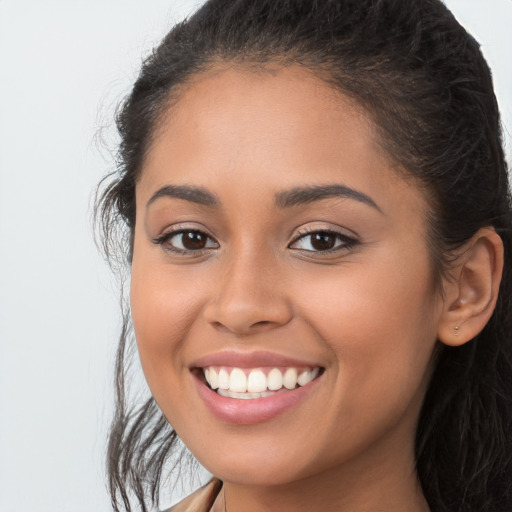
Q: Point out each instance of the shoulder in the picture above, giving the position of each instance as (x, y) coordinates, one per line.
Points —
(200, 500)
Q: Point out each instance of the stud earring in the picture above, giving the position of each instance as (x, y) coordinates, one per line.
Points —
(457, 327)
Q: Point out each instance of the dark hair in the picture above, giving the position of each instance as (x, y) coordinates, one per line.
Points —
(425, 83)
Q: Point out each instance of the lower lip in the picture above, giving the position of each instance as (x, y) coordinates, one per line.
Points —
(252, 411)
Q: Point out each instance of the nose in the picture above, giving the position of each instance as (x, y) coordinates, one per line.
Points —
(248, 296)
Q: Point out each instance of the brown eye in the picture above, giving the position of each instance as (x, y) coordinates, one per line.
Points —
(186, 241)
(193, 240)
(323, 241)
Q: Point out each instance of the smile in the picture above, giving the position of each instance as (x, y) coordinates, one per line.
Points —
(247, 383)
(247, 388)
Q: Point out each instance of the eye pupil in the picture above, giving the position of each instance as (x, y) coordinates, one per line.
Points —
(323, 241)
(193, 240)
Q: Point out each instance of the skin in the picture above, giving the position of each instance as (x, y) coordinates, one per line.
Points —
(368, 313)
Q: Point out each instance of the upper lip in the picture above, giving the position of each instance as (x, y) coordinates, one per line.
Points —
(250, 360)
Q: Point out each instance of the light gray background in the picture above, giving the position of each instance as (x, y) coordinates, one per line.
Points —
(64, 65)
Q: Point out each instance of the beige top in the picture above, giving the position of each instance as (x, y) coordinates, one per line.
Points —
(200, 500)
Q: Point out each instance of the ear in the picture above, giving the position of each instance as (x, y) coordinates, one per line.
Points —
(471, 291)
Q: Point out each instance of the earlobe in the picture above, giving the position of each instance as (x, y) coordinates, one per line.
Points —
(471, 294)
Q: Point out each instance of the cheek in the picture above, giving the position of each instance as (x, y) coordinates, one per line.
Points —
(379, 322)
(164, 306)
(376, 299)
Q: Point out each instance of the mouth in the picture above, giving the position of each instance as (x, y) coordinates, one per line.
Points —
(248, 388)
(256, 383)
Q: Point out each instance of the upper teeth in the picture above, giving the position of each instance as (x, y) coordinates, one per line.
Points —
(257, 380)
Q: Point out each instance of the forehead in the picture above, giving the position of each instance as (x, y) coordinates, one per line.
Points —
(264, 106)
(272, 127)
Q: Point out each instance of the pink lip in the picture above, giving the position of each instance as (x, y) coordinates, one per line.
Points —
(250, 412)
(251, 360)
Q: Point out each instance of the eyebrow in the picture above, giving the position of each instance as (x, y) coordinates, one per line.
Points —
(285, 199)
(308, 194)
(190, 193)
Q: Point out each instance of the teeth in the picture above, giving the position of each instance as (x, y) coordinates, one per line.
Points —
(246, 384)
(213, 378)
(223, 379)
(243, 396)
(307, 376)
(238, 381)
(303, 378)
(290, 378)
(257, 381)
(275, 379)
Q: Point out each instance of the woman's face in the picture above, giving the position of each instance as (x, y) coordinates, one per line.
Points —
(275, 242)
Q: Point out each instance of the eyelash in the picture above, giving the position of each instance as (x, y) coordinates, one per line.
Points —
(347, 242)
(165, 239)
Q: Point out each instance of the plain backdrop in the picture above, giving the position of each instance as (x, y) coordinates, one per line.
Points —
(64, 65)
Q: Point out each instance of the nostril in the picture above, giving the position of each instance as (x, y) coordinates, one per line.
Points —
(261, 323)
(242, 329)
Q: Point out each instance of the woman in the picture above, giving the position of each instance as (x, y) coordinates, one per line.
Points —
(318, 224)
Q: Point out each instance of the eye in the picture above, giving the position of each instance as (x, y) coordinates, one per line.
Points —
(186, 241)
(323, 241)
